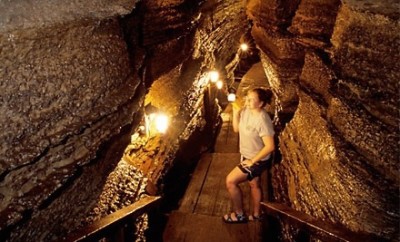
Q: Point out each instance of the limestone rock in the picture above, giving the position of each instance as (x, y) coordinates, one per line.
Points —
(315, 19)
(26, 14)
(282, 59)
(366, 55)
(317, 76)
(375, 141)
(272, 14)
(67, 90)
(329, 172)
(55, 84)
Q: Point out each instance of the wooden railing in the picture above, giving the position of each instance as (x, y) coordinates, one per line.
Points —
(118, 226)
(313, 227)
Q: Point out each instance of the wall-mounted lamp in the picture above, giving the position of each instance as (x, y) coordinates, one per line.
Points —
(231, 97)
(219, 84)
(231, 94)
(214, 76)
(161, 123)
(244, 47)
(156, 123)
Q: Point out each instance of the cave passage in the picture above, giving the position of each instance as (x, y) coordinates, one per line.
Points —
(83, 85)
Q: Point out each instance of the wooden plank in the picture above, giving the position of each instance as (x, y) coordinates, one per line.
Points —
(223, 202)
(221, 165)
(193, 190)
(227, 140)
(214, 198)
(318, 228)
(199, 228)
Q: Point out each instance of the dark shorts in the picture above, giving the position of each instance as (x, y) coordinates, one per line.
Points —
(256, 169)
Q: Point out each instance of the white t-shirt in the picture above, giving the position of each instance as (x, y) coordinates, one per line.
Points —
(252, 127)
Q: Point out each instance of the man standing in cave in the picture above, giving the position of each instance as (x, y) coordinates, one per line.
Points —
(256, 145)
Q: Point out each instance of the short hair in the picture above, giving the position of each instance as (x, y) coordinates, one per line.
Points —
(265, 95)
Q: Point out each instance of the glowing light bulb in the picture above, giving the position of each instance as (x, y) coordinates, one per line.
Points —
(244, 47)
(161, 122)
(219, 84)
(231, 97)
(214, 76)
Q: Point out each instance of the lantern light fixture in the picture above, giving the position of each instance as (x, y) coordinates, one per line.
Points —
(161, 122)
(231, 94)
(244, 47)
(231, 97)
(155, 122)
(219, 84)
(214, 76)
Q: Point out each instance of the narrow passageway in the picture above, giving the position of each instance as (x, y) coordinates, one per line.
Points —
(199, 216)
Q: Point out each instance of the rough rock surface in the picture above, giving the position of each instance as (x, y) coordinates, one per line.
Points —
(315, 19)
(68, 93)
(366, 56)
(26, 14)
(282, 59)
(66, 90)
(74, 77)
(340, 156)
(272, 14)
(325, 177)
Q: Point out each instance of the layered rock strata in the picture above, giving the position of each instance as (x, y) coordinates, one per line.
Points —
(74, 87)
(74, 78)
(340, 150)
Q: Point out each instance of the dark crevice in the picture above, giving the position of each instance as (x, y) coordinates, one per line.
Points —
(5, 233)
(318, 98)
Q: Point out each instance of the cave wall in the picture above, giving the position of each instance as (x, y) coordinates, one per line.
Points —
(179, 63)
(66, 89)
(334, 68)
(74, 79)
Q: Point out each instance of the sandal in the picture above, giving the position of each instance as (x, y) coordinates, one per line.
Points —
(255, 218)
(237, 218)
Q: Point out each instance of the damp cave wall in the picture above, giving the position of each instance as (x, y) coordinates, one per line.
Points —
(74, 78)
(334, 69)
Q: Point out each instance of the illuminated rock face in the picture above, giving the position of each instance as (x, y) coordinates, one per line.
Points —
(73, 84)
(75, 76)
(67, 90)
(340, 149)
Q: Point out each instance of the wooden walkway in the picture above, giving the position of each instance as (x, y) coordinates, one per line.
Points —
(199, 217)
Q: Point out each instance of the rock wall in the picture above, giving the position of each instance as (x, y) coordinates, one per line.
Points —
(335, 66)
(74, 78)
(281, 57)
(196, 42)
(68, 96)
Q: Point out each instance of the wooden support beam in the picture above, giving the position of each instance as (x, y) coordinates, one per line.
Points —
(317, 228)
